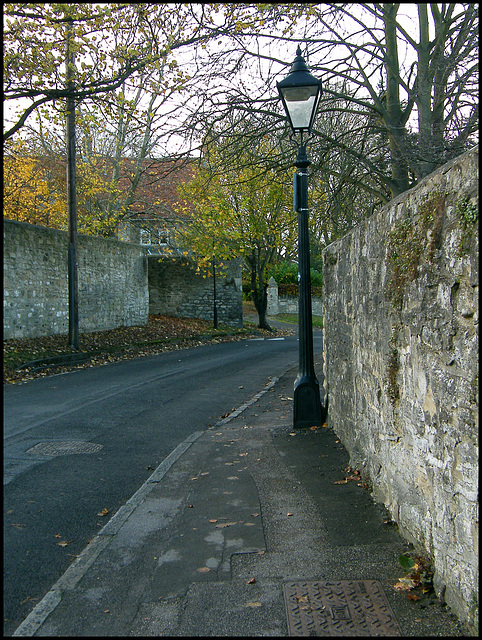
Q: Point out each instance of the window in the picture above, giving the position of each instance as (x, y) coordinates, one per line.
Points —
(151, 237)
(145, 237)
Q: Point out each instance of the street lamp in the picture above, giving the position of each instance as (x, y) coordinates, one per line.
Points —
(300, 93)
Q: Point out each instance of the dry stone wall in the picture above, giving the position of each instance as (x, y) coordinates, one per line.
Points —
(112, 278)
(400, 314)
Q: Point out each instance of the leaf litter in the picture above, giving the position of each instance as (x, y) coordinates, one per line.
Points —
(161, 333)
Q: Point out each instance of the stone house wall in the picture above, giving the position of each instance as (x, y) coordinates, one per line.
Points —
(402, 381)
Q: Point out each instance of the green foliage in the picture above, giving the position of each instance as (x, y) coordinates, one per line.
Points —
(286, 272)
(406, 562)
(283, 272)
(316, 278)
(468, 215)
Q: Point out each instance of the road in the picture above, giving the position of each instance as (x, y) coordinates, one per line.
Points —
(136, 412)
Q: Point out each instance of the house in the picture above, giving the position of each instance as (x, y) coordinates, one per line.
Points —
(153, 219)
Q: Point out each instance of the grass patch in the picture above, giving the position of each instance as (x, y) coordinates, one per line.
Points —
(317, 321)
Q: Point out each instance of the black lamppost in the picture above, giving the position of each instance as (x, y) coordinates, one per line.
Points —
(215, 303)
(72, 200)
(300, 93)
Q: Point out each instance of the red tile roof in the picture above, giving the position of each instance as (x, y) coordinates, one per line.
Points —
(156, 194)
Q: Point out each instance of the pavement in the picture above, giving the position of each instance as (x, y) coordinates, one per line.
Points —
(236, 533)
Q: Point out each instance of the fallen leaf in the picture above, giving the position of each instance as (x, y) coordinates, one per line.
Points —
(249, 524)
(325, 424)
(261, 553)
(313, 428)
(225, 524)
(243, 454)
(62, 544)
(106, 611)
(190, 506)
(344, 481)
(254, 604)
(251, 581)
(213, 520)
(104, 512)
(405, 584)
(289, 514)
(204, 570)
(413, 596)
(255, 515)
(58, 535)
(233, 478)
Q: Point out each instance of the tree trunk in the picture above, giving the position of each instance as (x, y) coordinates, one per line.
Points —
(259, 291)
(424, 95)
(394, 115)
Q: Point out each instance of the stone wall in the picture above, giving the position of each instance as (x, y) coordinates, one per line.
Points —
(176, 289)
(112, 279)
(401, 378)
(288, 304)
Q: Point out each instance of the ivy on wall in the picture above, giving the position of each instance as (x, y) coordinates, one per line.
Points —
(412, 241)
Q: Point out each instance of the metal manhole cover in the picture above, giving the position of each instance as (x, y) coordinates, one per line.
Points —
(64, 448)
(339, 608)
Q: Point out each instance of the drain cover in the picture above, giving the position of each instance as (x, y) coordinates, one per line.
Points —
(339, 608)
(64, 448)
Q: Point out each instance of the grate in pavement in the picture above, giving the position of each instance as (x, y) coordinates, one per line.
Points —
(339, 608)
(64, 448)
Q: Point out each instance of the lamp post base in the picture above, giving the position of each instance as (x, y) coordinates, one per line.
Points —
(307, 410)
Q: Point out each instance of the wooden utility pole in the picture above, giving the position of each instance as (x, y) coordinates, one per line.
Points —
(72, 197)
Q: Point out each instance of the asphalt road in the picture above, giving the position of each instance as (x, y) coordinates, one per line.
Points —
(137, 411)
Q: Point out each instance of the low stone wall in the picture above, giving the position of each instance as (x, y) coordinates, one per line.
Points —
(112, 280)
(288, 304)
(402, 379)
(176, 289)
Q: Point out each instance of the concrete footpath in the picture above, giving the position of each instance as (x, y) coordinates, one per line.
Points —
(246, 529)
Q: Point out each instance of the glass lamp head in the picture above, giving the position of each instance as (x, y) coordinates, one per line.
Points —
(300, 93)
